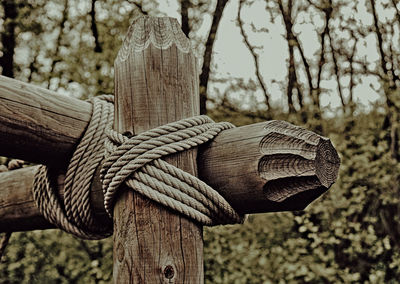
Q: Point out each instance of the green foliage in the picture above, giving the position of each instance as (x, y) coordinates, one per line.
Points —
(55, 257)
(350, 235)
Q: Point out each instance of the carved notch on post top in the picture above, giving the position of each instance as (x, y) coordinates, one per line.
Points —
(143, 32)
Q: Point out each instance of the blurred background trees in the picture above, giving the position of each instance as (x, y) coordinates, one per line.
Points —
(315, 63)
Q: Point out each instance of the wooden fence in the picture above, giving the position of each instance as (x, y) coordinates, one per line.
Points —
(264, 167)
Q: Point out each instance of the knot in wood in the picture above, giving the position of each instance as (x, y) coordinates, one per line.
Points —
(169, 272)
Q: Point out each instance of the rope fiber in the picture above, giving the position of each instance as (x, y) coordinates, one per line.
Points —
(137, 162)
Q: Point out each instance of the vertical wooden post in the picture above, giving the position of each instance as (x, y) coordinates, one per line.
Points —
(156, 82)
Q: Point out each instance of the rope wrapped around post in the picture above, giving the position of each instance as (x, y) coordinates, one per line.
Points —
(137, 162)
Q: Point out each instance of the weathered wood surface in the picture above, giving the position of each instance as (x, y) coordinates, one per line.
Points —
(156, 82)
(39, 125)
(271, 166)
(18, 211)
(235, 163)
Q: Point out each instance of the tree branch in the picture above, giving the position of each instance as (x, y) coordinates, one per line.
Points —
(351, 83)
(397, 10)
(185, 4)
(205, 70)
(305, 63)
(8, 38)
(254, 55)
(97, 47)
(55, 57)
(337, 72)
(328, 12)
(392, 56)
(379, 37)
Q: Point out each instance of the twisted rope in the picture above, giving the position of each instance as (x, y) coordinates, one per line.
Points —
(75, 214)
(137, 162)
(87, 157)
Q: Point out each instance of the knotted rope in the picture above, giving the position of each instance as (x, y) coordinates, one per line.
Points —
(75, 214)
(135, 161)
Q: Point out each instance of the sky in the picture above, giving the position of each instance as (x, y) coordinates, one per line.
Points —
(231, 58)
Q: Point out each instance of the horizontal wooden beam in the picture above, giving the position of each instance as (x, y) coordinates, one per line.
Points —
(18, 211)
(269, 166)
(264, 167)
(39, 125)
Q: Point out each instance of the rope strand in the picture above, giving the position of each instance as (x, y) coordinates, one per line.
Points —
(137, 162)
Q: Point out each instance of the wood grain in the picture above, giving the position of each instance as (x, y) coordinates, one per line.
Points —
(39, 125)
(263, 167)
(18, 211)
(156, 82)
(252, 173)
(267, 167)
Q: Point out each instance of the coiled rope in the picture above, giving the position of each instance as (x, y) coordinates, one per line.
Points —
(135, 161)
(75, 214)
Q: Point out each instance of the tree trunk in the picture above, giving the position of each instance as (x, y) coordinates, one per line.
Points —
(8, 38)
(205, 70)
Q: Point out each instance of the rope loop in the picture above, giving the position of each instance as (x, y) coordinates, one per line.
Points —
(74, 214)
(137, 162)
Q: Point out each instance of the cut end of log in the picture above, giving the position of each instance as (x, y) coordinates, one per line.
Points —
(269, 166)
(327, 163)
(298, 165)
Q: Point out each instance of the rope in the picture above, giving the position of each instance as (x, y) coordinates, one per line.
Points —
(75, 214)
(88, 157)
(135, 161)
